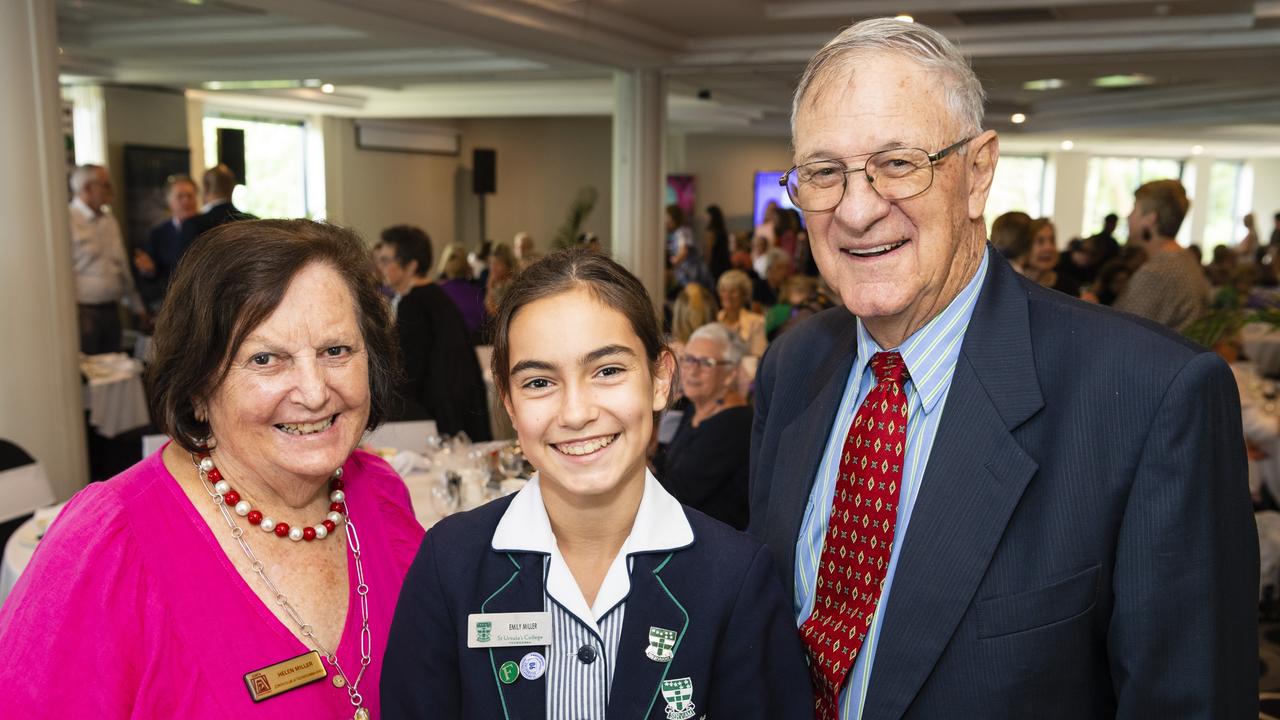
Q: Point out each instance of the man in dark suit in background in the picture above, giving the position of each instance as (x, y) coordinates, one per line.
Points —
(165, 243)
(219, 183)
(1005, 502)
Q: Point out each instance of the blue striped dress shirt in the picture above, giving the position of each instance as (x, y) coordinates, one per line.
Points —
(930, 355)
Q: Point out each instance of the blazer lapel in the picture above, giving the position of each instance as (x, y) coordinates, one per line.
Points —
(637, 680)
(520, 589)
(802, 445)
(976, 475)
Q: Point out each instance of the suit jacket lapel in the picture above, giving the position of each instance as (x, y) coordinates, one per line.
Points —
(976, 475)
(802, 446)
(652, 603)
(518, 589)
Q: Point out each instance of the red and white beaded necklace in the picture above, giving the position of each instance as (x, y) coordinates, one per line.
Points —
(242, 507)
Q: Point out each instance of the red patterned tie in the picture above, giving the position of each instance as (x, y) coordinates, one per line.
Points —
(855, 552)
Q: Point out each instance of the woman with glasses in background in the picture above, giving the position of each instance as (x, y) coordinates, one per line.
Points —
(705, 464)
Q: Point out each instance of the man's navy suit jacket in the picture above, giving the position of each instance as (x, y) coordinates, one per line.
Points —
(1082, 545)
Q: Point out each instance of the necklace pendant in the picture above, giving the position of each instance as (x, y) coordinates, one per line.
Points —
(339, 681)
(362, 714)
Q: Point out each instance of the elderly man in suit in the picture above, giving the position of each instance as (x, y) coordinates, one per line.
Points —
(988, 499)
(219, 183)
(165, 243)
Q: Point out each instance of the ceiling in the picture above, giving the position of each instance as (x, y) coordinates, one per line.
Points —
(1207, 67)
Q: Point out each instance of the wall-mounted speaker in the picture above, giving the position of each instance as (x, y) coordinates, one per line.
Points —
(231, 151)
(484, 171)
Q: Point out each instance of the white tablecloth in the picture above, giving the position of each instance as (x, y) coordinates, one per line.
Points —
(1262, 346)
(21, 546)
(114, 394)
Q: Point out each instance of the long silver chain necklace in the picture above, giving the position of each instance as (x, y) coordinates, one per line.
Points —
(306, 630)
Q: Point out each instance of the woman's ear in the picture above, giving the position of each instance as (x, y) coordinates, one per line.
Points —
(665, 380)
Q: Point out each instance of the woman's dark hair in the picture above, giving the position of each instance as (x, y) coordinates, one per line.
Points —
(1011, 234)
(570, 269)
(715, 222)
(230, 281)
(410, 243)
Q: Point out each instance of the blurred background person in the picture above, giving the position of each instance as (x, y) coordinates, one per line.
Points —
(455, 280)
(525, 251)
(102, 276)
(705, 465)
(717, 242)
(1170, 287)
(1010, 234)
(685, 255)
(1039, 260)
(694, 307)
(442, 379)
(219, 183)
(734, 289)
(166, 243)
(502, 269)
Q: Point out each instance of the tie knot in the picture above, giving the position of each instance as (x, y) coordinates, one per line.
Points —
(889, 366)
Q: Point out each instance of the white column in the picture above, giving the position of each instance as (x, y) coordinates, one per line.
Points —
(195, 136)
(40, 398)
(1199, 217)
(1071, 174)
(639, 176)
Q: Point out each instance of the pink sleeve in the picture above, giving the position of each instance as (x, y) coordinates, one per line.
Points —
(76, 632)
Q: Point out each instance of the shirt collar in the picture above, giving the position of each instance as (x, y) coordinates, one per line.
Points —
(933, 347)
(87, 212)
(660, 522)
(660, 525)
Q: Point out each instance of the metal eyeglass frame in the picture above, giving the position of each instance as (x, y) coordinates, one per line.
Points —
(933, 158)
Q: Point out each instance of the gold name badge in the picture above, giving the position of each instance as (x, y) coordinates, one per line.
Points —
(285, 676)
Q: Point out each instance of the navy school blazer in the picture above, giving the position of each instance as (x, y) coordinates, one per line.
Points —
(737, 636)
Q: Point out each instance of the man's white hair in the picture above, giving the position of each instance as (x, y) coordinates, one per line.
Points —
(918, 43)
(83, 175)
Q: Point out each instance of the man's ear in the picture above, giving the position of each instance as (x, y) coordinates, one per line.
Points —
(984, 151)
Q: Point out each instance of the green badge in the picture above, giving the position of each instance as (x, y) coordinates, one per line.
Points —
(508, 672)
(661, 644)
(679, 696)
(483, 631)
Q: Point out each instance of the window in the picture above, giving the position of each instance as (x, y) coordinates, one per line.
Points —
(1110, 185)
(1230, 186)
(1018, 185)
(275, 165)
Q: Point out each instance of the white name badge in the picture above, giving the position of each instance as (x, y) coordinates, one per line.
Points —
(485, 630)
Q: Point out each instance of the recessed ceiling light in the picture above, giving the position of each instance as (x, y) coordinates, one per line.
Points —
(1197, 149)
(1045, 84)
(311, 83)
(1017, 118)
(213, 85)
(327, 88)
(904, 18)
(1067, 144)
(1121, 81)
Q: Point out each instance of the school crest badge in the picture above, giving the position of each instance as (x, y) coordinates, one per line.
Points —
(679, 696)
(662, 645)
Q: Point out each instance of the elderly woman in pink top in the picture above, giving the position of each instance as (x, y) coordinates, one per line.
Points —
(250, 568)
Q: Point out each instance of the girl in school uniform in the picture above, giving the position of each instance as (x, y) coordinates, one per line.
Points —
(591, 594)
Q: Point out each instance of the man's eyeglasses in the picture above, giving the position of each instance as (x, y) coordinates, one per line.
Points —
(705, 363)
(896, 174)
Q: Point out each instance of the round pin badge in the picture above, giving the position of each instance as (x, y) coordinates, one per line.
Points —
(508, 672)
(532, 666)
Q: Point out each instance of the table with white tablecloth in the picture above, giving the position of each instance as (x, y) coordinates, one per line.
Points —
(113, 393)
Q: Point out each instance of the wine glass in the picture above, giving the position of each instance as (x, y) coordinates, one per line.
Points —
(510, 462)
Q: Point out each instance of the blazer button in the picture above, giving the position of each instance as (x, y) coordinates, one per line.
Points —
(587, 654)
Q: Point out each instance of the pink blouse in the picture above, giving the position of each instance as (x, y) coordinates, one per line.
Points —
(130, 608)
